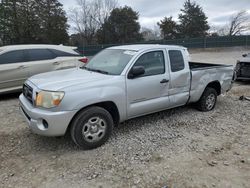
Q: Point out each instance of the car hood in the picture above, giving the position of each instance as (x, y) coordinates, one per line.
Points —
(59, 80)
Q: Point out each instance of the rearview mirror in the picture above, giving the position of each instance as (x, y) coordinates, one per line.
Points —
(136, 71)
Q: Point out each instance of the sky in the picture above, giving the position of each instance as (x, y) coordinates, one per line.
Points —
(218, 12)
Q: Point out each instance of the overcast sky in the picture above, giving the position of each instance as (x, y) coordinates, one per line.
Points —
(152, 11)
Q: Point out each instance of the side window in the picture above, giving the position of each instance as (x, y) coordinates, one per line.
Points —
(153, 62)
(40, 54)
(16, 56)
(176, 60)
(60, 53)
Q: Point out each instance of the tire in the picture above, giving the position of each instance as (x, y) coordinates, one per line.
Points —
(91, 128)
(208, 100)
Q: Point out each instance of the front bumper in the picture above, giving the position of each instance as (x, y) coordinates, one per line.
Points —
(44, 122)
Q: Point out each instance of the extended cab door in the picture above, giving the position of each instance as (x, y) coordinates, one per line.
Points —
(149, 92)
(180, 77)
(13, 70)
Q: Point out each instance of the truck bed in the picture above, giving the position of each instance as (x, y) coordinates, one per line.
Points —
(201, 66)
(204, 73)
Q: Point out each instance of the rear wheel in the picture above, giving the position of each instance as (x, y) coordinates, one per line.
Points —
(92, 127)
(208, 100)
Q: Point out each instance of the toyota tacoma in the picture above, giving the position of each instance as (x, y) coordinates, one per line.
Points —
(118, 84)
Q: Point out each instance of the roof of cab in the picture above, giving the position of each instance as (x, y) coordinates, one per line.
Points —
(141, 47)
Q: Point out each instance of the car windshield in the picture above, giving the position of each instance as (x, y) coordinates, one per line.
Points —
(110, 61)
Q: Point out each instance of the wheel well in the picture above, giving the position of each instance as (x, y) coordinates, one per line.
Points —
(108, 105)
(216, 85)
(111, 108)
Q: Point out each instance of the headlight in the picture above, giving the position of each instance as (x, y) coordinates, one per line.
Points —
(49, 99)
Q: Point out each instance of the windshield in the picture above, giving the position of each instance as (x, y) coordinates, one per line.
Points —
(110, 61)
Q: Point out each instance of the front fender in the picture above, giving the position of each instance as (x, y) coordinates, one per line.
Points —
(76, 100)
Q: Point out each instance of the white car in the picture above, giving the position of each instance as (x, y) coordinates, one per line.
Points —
(19, 62)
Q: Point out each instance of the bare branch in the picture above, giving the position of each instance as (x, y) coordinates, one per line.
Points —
(89, 15)
(239, 23)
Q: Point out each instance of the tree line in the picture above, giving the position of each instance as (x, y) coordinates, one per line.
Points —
(102, 22)
(32, 21)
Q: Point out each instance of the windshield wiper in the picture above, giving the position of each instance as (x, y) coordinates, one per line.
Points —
(95, 70)
(100, 71)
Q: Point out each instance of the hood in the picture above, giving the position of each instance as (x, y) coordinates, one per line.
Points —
(59, 80)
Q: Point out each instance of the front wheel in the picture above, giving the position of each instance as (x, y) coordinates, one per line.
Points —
(208, 100)
(92, 127)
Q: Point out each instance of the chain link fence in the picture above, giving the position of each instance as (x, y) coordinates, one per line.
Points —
(207, 42)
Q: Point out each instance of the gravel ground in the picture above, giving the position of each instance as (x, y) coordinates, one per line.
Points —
(219, 55)
(175, 148)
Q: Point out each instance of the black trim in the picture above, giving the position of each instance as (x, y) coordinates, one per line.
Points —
(27, 116)
(28, 93)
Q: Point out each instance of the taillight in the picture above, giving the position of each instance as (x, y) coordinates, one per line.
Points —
(84, 60)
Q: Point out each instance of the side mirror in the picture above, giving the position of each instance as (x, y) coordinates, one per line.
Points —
(244, 55)
(136, 71)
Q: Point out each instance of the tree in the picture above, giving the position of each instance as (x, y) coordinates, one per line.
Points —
(74, 40)
(32, 21)
(53, 21)
(88, 17)
(149, 34)
(3, 30)
(9, 25)
(193, 21)
(121, 27)
(239, 23)
(168, 28)
(28, 23)
(103, 9)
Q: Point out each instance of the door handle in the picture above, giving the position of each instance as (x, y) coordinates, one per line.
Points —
(56, 63)
(164, 81)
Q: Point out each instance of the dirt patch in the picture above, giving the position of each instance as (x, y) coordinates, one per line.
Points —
(175, 148)
(228, 55)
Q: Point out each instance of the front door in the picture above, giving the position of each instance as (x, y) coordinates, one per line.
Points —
(149, 92)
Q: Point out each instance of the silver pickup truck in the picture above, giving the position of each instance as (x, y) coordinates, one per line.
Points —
(118, 84)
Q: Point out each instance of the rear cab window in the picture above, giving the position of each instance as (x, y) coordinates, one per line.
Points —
(176, 60)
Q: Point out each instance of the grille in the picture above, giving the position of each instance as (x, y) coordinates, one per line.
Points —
(27, 92)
